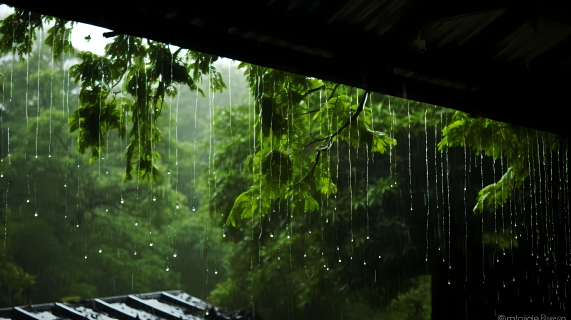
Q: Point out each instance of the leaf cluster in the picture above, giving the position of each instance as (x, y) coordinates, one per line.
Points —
(498, 139)
(283, 167)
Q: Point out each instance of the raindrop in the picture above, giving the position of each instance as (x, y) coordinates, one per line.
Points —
(271, 235)
(28, 201)
(288, 237)
(223, 235)
(106, 210)
(168, 269)
(379, 257)
(64, 185)
(168, 172)
(174, 255)
(304, 255)
(278, 258)
(155, 199)
(364, 263)
(339, 260)
(78, 226)
(136, 223)
(215, 272)
(100, 250)
(151, 244)
(177, 207)
(135, 252)
(36, 214)
(85, 256)
(367, 237)
(193, 209)
(122, 201)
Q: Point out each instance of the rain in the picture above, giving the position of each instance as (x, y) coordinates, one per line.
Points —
(258, 162)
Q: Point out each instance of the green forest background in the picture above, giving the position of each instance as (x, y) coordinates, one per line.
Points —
(152, 168)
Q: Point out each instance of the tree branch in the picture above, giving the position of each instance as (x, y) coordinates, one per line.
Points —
(313, 90)
(175, 54)
(353, 117)
(317, 155)
(318, 88)
(330, 142)
(310, 111)
(332, 93)
(334, 88)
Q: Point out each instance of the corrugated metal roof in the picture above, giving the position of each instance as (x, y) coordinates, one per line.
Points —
(167, 305)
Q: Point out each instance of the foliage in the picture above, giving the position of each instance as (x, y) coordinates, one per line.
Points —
(83, 209)
(415, 303)
(283, 224)
(497, 139)
(148, 73)
(14, 280)
(282, 100)
(505, 240)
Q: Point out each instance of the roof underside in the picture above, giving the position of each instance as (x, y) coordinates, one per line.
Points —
(504, 60)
